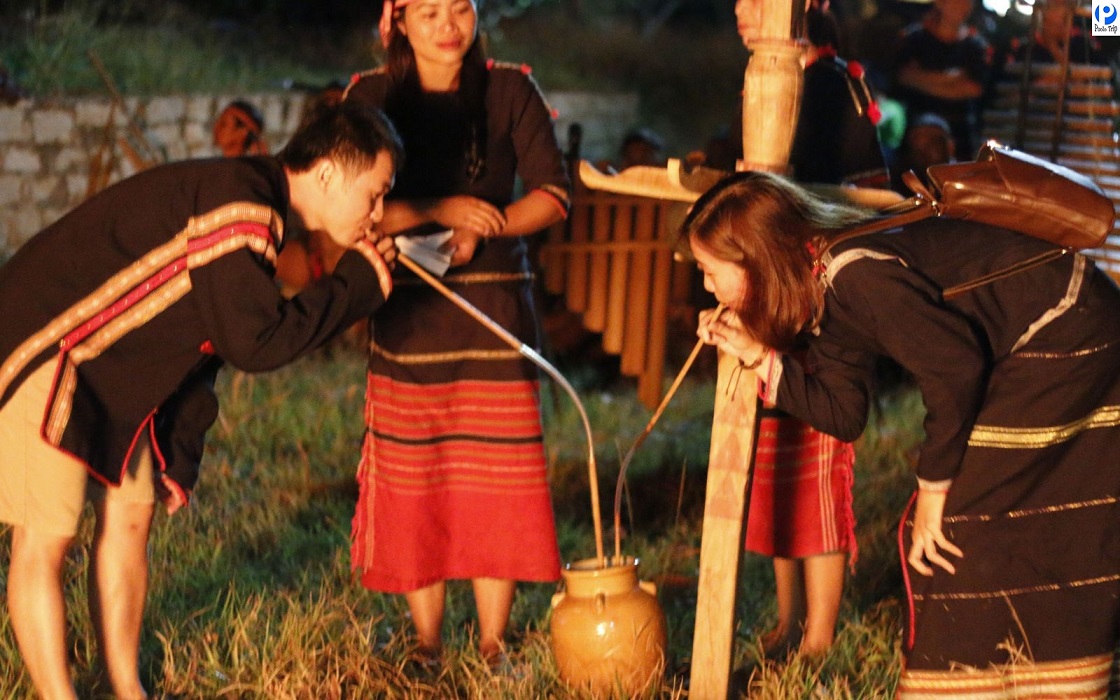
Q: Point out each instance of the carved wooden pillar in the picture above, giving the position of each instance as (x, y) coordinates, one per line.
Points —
(771, 103)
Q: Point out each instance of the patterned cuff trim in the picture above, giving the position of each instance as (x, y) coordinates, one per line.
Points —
(384, 277)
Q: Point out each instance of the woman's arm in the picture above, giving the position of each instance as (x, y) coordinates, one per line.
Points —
(458, 213)
(953, 84)
(534, 212)
(885, 308)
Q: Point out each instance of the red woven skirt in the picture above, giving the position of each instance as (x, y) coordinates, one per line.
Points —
(452, 486)
(801, 491)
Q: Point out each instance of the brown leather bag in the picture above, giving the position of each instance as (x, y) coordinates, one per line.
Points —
(1015, 190)
(1008, 188)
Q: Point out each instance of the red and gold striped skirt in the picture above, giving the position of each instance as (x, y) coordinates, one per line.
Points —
(452, 485)
(801, 491)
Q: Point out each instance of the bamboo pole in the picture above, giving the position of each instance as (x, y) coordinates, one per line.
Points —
(649, 382)
(595, 317)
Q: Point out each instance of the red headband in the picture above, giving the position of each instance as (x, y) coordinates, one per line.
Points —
(385, 26)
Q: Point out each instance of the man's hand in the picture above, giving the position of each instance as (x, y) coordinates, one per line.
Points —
(387, 247)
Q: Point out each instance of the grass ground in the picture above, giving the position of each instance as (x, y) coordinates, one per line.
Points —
(251, 595)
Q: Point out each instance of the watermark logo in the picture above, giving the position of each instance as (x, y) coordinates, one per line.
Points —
(1106, 18)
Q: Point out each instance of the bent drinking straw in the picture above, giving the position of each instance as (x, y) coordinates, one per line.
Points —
(544, 364)
(642, 437)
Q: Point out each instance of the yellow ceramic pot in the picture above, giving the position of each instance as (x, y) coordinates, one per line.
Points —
(608, 631)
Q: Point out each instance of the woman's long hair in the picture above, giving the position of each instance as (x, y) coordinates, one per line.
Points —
(771, 228)
(405, 91)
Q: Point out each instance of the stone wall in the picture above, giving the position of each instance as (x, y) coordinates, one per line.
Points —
(53, 153)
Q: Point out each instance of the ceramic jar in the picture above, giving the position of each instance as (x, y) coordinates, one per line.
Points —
(607, 628)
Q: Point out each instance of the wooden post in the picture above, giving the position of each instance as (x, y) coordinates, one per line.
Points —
(771, 102)
(721, 539)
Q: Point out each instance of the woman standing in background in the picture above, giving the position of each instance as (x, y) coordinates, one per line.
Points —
(452, 478)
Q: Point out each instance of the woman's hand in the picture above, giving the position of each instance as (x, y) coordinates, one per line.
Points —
(927, 539)
(461, 246)
(463, 213)
(726, 332)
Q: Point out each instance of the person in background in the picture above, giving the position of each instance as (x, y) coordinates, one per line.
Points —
(640, 146)
(1011, 545)
(927, 141)
(452, 477)
(117, 318)
(941, 67)
(836, 140)
(239, 130)
(1058, 31)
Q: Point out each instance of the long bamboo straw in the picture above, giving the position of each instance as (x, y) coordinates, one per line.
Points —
(642, 438)
(544, 364)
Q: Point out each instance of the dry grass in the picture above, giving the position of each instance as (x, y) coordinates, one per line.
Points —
(251, 594)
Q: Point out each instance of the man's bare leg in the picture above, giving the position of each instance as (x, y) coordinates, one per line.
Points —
(37, 608)
(118, 587)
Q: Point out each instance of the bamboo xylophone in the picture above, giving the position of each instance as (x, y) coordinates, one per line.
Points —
(612, 261)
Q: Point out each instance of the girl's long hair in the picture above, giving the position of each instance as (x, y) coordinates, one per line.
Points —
(405, 91)
(771, 228)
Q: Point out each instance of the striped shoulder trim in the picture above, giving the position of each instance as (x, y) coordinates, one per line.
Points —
(1073, 290)
(230, 228)
(525, 70)
(138, 293)
(833, 264)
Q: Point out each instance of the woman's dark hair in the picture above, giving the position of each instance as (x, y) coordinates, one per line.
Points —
(405, 92)
(350, 132)
(821, 28)
(770, 227)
